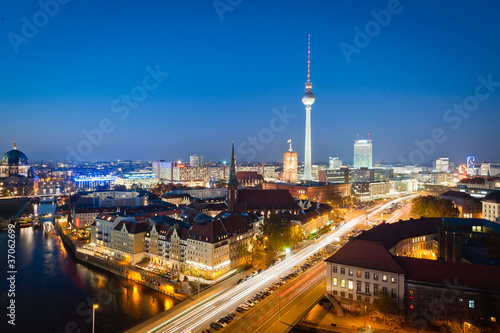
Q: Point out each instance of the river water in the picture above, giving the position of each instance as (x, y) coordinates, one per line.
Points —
(55, 293)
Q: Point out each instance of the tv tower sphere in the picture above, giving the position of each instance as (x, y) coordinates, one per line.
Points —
(308, 98)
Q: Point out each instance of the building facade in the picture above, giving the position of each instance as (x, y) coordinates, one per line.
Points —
(290, 167)
(363, 154)
(491, 207)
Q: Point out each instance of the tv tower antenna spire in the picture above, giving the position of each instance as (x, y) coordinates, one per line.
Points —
(308, 83)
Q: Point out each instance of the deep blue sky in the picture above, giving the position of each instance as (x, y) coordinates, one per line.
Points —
(226, 77)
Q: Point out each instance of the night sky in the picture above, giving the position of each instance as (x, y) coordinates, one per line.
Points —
(234, 65)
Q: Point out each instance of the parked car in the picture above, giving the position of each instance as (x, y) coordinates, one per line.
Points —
(240, 309)
(221, 322)
(215, 325)
(241, 280)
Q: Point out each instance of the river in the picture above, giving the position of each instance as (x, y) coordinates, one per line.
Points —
(55, 293)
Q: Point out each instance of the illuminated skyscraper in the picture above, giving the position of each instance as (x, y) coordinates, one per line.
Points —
(196, 160)
(443, 164)
(308, 100)
(363, 153)
(471, 162)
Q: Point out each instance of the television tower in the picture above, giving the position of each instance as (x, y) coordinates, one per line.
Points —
(308, 100)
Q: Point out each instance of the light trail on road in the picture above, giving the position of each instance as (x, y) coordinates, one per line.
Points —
(200, 315)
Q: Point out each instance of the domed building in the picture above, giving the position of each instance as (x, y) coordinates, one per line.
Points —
(16, 175)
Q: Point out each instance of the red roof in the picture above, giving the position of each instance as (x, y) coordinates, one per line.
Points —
(249, 175)
(391, 233)
(214, 231)
(132, 227)
(366, 254)
(455, 273)
(265, 200)
(477, 180)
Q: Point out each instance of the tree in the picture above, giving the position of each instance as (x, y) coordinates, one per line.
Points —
(387, 308)
(248, 251)
(430, 206)
(280, 233)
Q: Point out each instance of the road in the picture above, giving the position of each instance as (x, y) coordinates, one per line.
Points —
(289, 304)
(201, 314)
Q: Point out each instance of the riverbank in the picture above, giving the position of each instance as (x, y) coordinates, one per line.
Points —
(161, 284)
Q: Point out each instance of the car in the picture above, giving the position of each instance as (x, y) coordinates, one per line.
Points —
(206, 331)
(228, 318)
(231, 314)
(249, 303)
(215, 325)
(260, 271)
(241, 280)
(221, 323)
(244, 306)
(240, 309)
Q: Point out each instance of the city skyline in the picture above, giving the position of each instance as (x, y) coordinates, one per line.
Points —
(243, 78)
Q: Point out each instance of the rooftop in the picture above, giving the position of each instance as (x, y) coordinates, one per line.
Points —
(366, 254)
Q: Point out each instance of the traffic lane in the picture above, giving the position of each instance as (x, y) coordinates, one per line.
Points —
(256, 318)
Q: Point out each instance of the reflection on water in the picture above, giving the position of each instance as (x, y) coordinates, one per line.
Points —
(52, 290)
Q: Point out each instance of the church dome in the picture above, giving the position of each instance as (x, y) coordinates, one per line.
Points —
(14, 157)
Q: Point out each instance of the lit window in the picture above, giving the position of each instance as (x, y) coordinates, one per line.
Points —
(358, 274)
(342, 283)
(335, 281)
(384, 278)
(351, 272)
(471, 303)
(375, 276)
(393, 279)
(351, 285)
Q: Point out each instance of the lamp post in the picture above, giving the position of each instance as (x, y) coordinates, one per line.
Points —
(365, 316)
(197, 271)
(95, 306)
(265, 253)
(279, 298)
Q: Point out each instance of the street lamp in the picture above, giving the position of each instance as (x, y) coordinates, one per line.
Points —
(279, 298)
(265, 253)
(95, 306)
(365, 316)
